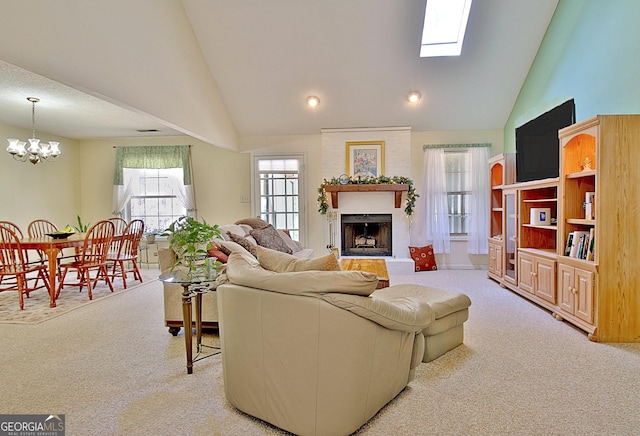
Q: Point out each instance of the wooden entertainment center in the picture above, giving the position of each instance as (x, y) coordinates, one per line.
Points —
(596, 286)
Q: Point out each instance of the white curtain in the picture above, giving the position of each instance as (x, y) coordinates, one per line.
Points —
(478, 229)
(432, 225)
(122, 194)
(182, 191)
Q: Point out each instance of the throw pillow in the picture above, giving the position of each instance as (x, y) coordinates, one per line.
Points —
(251, 248)
(287, 240)
(281, 262)
(222, 247)
(244, 271)
(270, 238)
(254, 223)
(233, 228)
(216, 251)
(424, 258)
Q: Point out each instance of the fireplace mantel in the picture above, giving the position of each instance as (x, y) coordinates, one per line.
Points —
(398, 189)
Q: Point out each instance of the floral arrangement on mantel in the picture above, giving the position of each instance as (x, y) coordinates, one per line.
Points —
(323, 205)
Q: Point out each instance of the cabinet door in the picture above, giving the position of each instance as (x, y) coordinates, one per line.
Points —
(565, 288)
(492, 259)
(511, 243)
(545, 279)
(525, 272)
(584, 295)
(499, 260)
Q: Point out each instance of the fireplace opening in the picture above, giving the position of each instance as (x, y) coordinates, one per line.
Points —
(366, 235)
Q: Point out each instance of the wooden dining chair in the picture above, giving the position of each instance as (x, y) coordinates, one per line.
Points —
(127, 253)
(13, 227)
(92, 257)
(13, 264)
(40, 227)
(120, 225)
(5, 282)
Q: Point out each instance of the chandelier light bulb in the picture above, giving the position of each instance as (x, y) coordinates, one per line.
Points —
(313, 101)
(36, 152)
(414, 97)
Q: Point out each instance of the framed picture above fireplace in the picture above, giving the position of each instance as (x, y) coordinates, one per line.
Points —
(365, 159)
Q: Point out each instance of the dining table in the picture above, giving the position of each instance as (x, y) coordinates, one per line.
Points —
(52, 247)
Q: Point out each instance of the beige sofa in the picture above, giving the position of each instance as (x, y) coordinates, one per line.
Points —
(310, 351)
(173, 316)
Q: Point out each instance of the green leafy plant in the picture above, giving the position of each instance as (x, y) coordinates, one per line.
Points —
(190, 239)
(410, 204)
(82, 228)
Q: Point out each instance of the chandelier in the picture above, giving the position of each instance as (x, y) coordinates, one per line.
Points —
(35, 152)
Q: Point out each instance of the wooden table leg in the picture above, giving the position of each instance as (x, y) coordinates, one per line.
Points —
(52, 256)
(198, 322)
(186, 314)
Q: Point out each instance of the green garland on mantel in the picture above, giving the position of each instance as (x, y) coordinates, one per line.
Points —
(323, 205)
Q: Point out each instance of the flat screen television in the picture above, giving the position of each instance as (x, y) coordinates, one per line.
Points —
(538, 146)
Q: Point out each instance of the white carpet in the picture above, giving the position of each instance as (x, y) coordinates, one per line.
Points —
(113, 369)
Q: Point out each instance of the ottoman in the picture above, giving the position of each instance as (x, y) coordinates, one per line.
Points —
(446, 332)
(450, 310)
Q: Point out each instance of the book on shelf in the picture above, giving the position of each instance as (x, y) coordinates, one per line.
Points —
(567, 247)
(590, 255)
(589, 205)
(582, 252)
(578, 236)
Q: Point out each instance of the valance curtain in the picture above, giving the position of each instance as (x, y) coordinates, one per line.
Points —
(432, 211)
(153, 157)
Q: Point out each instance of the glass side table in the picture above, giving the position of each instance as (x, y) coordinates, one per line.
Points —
(193, 284)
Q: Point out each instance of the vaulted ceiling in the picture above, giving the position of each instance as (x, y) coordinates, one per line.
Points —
(219, 69)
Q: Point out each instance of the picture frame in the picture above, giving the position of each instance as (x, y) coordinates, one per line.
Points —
(365, 159)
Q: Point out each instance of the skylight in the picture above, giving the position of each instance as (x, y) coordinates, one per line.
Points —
(445, 22)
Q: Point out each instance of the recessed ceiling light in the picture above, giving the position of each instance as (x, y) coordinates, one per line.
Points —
(147, 130)
(414, 97)
(313, 101)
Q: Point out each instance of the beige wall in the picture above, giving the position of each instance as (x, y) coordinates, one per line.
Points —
(221, 177)
(46, 190)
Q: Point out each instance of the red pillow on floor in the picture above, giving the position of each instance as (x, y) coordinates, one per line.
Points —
(424, 258)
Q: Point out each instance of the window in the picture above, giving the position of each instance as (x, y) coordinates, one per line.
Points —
(153, 196)
(279, 189)
(445, 23)
(159, 177)
(457, 172)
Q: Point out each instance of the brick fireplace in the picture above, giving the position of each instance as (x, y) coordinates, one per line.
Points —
(397, 163)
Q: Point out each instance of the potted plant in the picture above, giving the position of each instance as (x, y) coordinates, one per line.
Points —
(82, 228)
(150, 235)
(190, 239)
